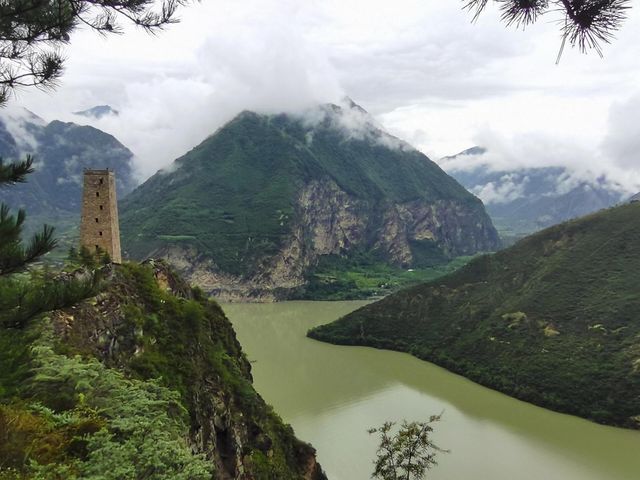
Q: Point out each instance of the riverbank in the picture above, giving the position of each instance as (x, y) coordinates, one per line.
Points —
(332, 394)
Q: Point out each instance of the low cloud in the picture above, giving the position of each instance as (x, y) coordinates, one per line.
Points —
(622, 141)
(612, 163)
(16, 120)
(352, 121)
(420, 67)
(509, 188)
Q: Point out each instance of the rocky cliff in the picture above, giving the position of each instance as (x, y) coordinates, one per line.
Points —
(149, 324)
(332, 222)
(248, 212)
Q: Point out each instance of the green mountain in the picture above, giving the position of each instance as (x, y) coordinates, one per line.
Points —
(553, 320)
(521, 201)
(251, 210)
(142, 379)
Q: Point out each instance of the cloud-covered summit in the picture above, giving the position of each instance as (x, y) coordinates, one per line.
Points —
(524, 199)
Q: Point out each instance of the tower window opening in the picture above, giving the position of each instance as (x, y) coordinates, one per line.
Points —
(100, 233)
(101, 182)
(101, 207)
(97, 221)
(97, 194)
(97, 248)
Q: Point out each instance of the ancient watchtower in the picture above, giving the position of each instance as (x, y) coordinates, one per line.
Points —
(99, 227)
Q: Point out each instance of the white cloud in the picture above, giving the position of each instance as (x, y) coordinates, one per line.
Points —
(622, 140)
(420, 66)
(352, 121)
(506, 190)
(16, 120)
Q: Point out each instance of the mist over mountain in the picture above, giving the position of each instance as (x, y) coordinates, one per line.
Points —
(249, 211)
(524, 200)
(61, 151)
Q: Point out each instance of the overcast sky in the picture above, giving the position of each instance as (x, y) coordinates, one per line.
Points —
(428, 75)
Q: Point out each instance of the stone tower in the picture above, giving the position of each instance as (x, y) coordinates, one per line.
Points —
(99, 226)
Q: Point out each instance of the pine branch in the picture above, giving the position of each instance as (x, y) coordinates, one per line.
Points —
(15, 172)
(585, 24)
(14, 257)
(32, 32)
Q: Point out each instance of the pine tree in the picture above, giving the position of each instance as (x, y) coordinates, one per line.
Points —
(587, 24)
(406, 454)
(32, 33)
(14, 255)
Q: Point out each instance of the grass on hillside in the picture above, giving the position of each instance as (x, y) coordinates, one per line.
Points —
(65, 414)
(337, 279)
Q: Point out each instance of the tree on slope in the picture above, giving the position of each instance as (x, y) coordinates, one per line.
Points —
(32, 33)
(586, 24)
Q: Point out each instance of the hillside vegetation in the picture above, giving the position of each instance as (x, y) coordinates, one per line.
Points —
(365, 278)
(233, 196)
(553, 320)
(143, 380)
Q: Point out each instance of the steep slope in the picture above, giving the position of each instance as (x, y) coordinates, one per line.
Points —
(62, 151)
(144, 380)
(525, 200)
(553, 320)
(252, 208)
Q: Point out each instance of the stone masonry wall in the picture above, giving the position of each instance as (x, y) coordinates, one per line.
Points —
(99, 227)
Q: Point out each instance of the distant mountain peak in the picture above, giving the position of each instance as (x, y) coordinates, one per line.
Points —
(97, 112)
(525, 199)
(21, 115)
(472, 151)
(62, 150)
(461, 160)
(348, 102)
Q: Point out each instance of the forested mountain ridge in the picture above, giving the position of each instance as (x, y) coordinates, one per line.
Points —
(248, 212)
(143, 379)
(553, 320)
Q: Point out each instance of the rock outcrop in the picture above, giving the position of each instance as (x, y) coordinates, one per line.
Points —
(229, 422)
(249, 212)
(332, 222)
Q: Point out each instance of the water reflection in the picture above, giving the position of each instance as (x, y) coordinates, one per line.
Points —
(332, 394)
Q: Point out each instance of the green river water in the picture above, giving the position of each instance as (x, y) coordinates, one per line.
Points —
(332, 394)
